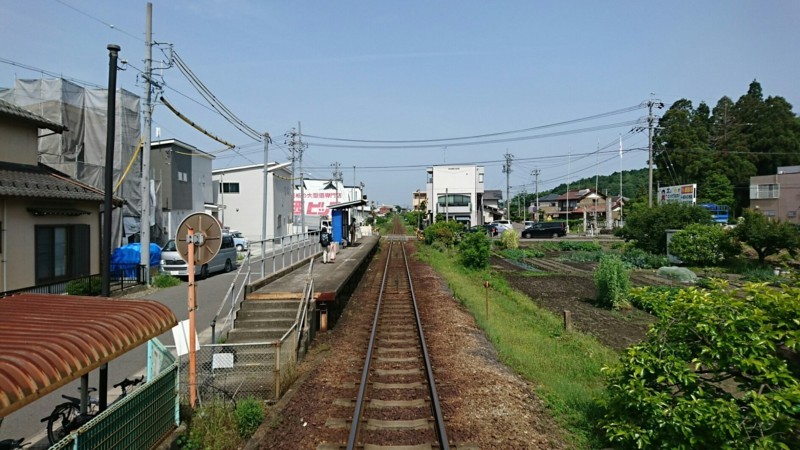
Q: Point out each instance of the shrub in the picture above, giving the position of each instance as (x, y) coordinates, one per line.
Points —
(249, 415)
(647, 227)
(85, 286)
(641, 259)
(509, 239)
(213, 426)
(715, 373)
(474, 250)
(653, 299)
(165, 281)
(703, 245)
(444, 232)
(612, 282)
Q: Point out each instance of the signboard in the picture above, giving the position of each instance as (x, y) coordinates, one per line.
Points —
(685, 193)
(317, 203)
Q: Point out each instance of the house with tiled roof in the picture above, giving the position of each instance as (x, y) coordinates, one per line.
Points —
(49, 222)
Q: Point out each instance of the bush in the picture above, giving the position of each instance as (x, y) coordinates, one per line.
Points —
(85, 286)
(509, 239)
(249, 415)
(647, 227)
(213, 427)
(641, 259)
(653, 299)
(703, 245)
(612, 282)
(444, 232)
(164, 281)
(474, 250)
(715, 373)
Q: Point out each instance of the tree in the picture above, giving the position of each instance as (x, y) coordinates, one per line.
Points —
(647, 227)
(767, 237)
(713, 373)
(474, 250)
(716, 189)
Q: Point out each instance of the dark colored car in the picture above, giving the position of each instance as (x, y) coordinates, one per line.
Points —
(545, 229)
(491, 230)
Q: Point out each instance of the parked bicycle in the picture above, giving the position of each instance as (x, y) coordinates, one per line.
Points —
(13, 444)
(67, 417)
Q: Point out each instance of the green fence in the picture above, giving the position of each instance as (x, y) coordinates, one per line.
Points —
(139, 421)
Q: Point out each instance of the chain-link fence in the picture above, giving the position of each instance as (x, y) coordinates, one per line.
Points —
(229, 372)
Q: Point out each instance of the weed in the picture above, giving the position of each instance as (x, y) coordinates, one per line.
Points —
(164, 281)
(249, 415)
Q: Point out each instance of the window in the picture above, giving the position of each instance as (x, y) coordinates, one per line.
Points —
(791, 214)
(183, 176)
(62, 252)
(229, 188)
(758, 191)
(454, 200)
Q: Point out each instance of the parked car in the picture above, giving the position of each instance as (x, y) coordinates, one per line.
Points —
(239, 241)
(502, 225)
(223, 261)
(487, 228)
(545, 229)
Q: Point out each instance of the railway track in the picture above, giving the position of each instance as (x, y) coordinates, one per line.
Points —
(397, 405)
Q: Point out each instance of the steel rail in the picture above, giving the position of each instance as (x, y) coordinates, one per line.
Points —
(362, 389)
(441, 432)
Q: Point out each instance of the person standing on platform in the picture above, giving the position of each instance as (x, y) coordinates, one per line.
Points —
(325, 242)
(352, 231)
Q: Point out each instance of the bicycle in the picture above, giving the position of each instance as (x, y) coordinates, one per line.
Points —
(13, 444)
(67, 417)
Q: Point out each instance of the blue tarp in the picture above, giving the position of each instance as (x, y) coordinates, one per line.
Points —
(126, 258)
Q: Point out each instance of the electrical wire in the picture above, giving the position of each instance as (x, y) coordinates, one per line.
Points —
(481, 136)
(194, 125)
(96, 19)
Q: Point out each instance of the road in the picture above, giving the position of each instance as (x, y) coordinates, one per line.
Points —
(210, 292)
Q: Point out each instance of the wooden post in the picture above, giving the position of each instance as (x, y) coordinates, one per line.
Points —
(278, 370)
(567, 320)
(486, 285)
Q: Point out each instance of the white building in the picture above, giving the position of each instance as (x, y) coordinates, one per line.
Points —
(317, 197)
(239, 196)
(455, 192)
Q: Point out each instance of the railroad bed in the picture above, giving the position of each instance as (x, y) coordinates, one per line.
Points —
(397, 403)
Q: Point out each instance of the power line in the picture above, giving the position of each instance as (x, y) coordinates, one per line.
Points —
(96, 19)
(495, 141)
(481, 136)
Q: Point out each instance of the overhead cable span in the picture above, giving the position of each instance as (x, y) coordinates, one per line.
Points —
(492, 141)
(194, 125)
(481, 136)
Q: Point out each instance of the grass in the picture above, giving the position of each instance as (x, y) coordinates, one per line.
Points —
(564, 366)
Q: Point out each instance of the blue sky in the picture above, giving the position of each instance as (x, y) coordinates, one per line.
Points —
(421, 71)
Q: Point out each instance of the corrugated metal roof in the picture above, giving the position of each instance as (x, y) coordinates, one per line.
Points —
(46, 341)
(10, 109)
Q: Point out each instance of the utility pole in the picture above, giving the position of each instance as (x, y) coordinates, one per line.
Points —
(144, 217)
(650, 126)
(507, 170)
(291, 134)
(536, 173)
(266, 191)
(300, 149)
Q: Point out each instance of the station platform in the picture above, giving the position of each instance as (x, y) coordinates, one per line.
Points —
(331, 281)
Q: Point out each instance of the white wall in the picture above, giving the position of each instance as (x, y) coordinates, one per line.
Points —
(243, 211)
(466, 180)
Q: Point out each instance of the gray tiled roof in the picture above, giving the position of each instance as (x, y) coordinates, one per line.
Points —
(19, 180)
(9, 109)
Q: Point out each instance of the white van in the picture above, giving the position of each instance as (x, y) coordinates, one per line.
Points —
(223, 261)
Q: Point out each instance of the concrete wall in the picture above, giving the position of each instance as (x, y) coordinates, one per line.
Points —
(787, 206)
